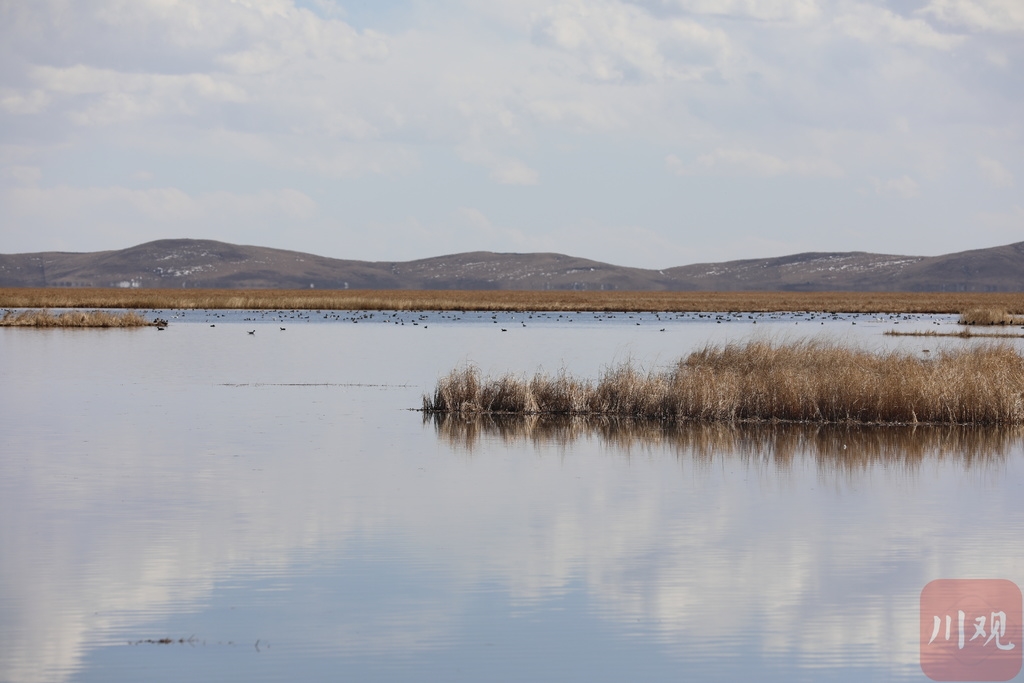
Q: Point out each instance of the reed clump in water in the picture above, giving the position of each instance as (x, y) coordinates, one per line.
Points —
(804, 381)
(989, 316)
(74, 319)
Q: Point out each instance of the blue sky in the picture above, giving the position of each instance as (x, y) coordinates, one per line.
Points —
(648, 133)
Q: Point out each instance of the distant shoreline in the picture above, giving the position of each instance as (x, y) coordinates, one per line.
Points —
(507, 300)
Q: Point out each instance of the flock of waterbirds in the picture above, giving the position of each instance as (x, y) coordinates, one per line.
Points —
(508, 320)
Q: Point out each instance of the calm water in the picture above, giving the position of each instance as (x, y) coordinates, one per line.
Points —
(272, 501)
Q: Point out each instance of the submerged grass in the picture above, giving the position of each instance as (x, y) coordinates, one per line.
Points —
(508, 300)
(804, 381)
(962, 334)
(74, 319)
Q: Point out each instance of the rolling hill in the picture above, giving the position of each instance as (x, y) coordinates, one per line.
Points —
(195, 263)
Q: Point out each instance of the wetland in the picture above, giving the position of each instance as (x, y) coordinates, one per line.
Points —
(254, 494)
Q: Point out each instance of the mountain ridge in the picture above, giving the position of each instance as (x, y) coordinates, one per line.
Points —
(198, 263)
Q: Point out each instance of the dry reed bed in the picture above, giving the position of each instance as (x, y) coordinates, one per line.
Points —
(804, 381)
(832, 445)
(989, 316)
(507, 300)
(74, 319)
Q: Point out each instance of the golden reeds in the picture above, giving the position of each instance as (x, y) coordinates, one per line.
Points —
(74, 319)
(989, 316)
(804, 381)
(507, 300)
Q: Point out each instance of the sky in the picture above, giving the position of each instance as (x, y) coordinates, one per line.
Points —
(648, 133)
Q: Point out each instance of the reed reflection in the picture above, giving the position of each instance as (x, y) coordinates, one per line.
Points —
(841, 448)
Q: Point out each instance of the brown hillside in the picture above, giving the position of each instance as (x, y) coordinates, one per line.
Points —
(208, 264)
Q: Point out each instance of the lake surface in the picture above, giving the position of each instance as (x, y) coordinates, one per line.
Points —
(271, 504)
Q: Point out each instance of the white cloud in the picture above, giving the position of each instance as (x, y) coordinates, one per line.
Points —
(625, 244)
(284, 66)
(304, 39)
(743, 161)
(1000, 227)
(617, 42)
(269, 95)
(329, 8)
(877, 24)
(474, 227)
(996, 16)
(620, 244)
(286, 203)
(903, 186)
(85, 80)
(476, 219)
(24, 102)
(1007, 222)
(575, 114)
(125, 216)
(22, 175)
(465, 228)
(471, 228)
(674, 164)
(994, 172)
(214, 28)
(997, 58)
(514, 172)
(764, 10)
(113, 97)
(322, 156)
(503, 170)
